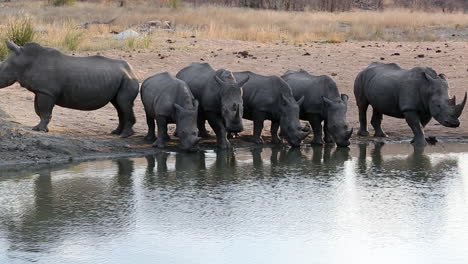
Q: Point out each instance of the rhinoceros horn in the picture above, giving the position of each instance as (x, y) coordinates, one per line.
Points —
(459, 107)
(453, 100)
(350, 133)
(238, 112)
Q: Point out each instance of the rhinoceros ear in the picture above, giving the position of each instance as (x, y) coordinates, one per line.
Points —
(428, 77)
(178, 108)
(219, 81)
(241, 83)
(300, 101)
(284, 100)
(345, 98)
(443, 76)
(195, 104)
(327, 101)
(13, 47)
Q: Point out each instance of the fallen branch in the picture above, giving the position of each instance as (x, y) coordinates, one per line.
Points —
(96, 22)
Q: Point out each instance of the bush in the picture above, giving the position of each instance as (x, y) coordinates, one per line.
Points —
(73, 39)
(174, 4)
(20, 31)
(3, 50)
(61, 2)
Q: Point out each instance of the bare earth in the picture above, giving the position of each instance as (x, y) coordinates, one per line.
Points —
(76, 135)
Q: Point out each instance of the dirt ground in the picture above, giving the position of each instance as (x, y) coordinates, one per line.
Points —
(76, 135)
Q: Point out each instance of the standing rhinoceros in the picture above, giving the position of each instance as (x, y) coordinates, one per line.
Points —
(82, 83)
(220, 97)
(169, 100)
(322, 102)
(271, 98)
(416, 95)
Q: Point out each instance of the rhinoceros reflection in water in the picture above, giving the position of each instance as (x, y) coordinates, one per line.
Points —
(62, 204)
(416, 166)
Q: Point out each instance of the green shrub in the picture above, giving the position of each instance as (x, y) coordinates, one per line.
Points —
(174, 3)
(20, 31)
(3, 50)
(73, 39)
(61, 2)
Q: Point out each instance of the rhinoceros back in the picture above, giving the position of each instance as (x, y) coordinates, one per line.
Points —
(160, 92)
(387, 87)
(262, 93)
(83, 83)
(312, 88)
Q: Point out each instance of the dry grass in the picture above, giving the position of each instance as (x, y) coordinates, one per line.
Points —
(226, 23)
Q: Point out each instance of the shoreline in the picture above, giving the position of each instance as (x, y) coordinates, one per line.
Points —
(38, 149)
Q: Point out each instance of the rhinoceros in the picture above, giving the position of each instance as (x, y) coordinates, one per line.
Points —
(417, 95)
(220, 97)
(271, 98)
(322, 102)
(82, 83)
(169, 100)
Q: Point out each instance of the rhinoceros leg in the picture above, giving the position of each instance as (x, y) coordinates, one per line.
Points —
(43, 105)
(362, 106)
(414, 122)
(202, 132)
(258, 119)
(124, 101)
(216, 123)
(150, 136)
(316, 124)
(119, 128)
(327, 138)
(162, 132)
(274, 132)
(376, 123)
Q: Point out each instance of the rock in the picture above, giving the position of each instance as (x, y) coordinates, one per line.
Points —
(395, 54)
(244, 54)
(382, 58)
(41, 29)
(420, 56)
(129, 33)
(334, 74)
(438, 51)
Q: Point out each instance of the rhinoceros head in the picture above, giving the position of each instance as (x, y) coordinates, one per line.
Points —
(291, 128)
(231, 100)
(14, 64)
(187, 126)
(337, 125)
(446, 111)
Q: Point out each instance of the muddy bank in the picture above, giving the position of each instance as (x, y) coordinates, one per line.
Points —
(21, 147)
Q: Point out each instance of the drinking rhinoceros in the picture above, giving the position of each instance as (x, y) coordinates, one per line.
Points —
(169, 100)
(220, 97)
(322, 102)
(82, 83)
(271, 98)
(416, 95)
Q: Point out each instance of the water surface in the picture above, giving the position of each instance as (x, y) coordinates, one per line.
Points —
(368, 204)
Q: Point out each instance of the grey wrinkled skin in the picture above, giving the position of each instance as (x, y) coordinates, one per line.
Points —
(417, 95)
(169, 100)
(82, 83)
(271, 98)
(220, 97)
(322, 102)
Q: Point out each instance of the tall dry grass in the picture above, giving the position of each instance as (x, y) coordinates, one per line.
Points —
(226, 23)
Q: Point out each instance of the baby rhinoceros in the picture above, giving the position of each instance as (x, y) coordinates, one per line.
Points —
(417, 95)
(322, 102)
(169, 100)
(271, 98)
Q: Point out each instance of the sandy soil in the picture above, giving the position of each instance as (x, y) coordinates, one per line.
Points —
(76, 135)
